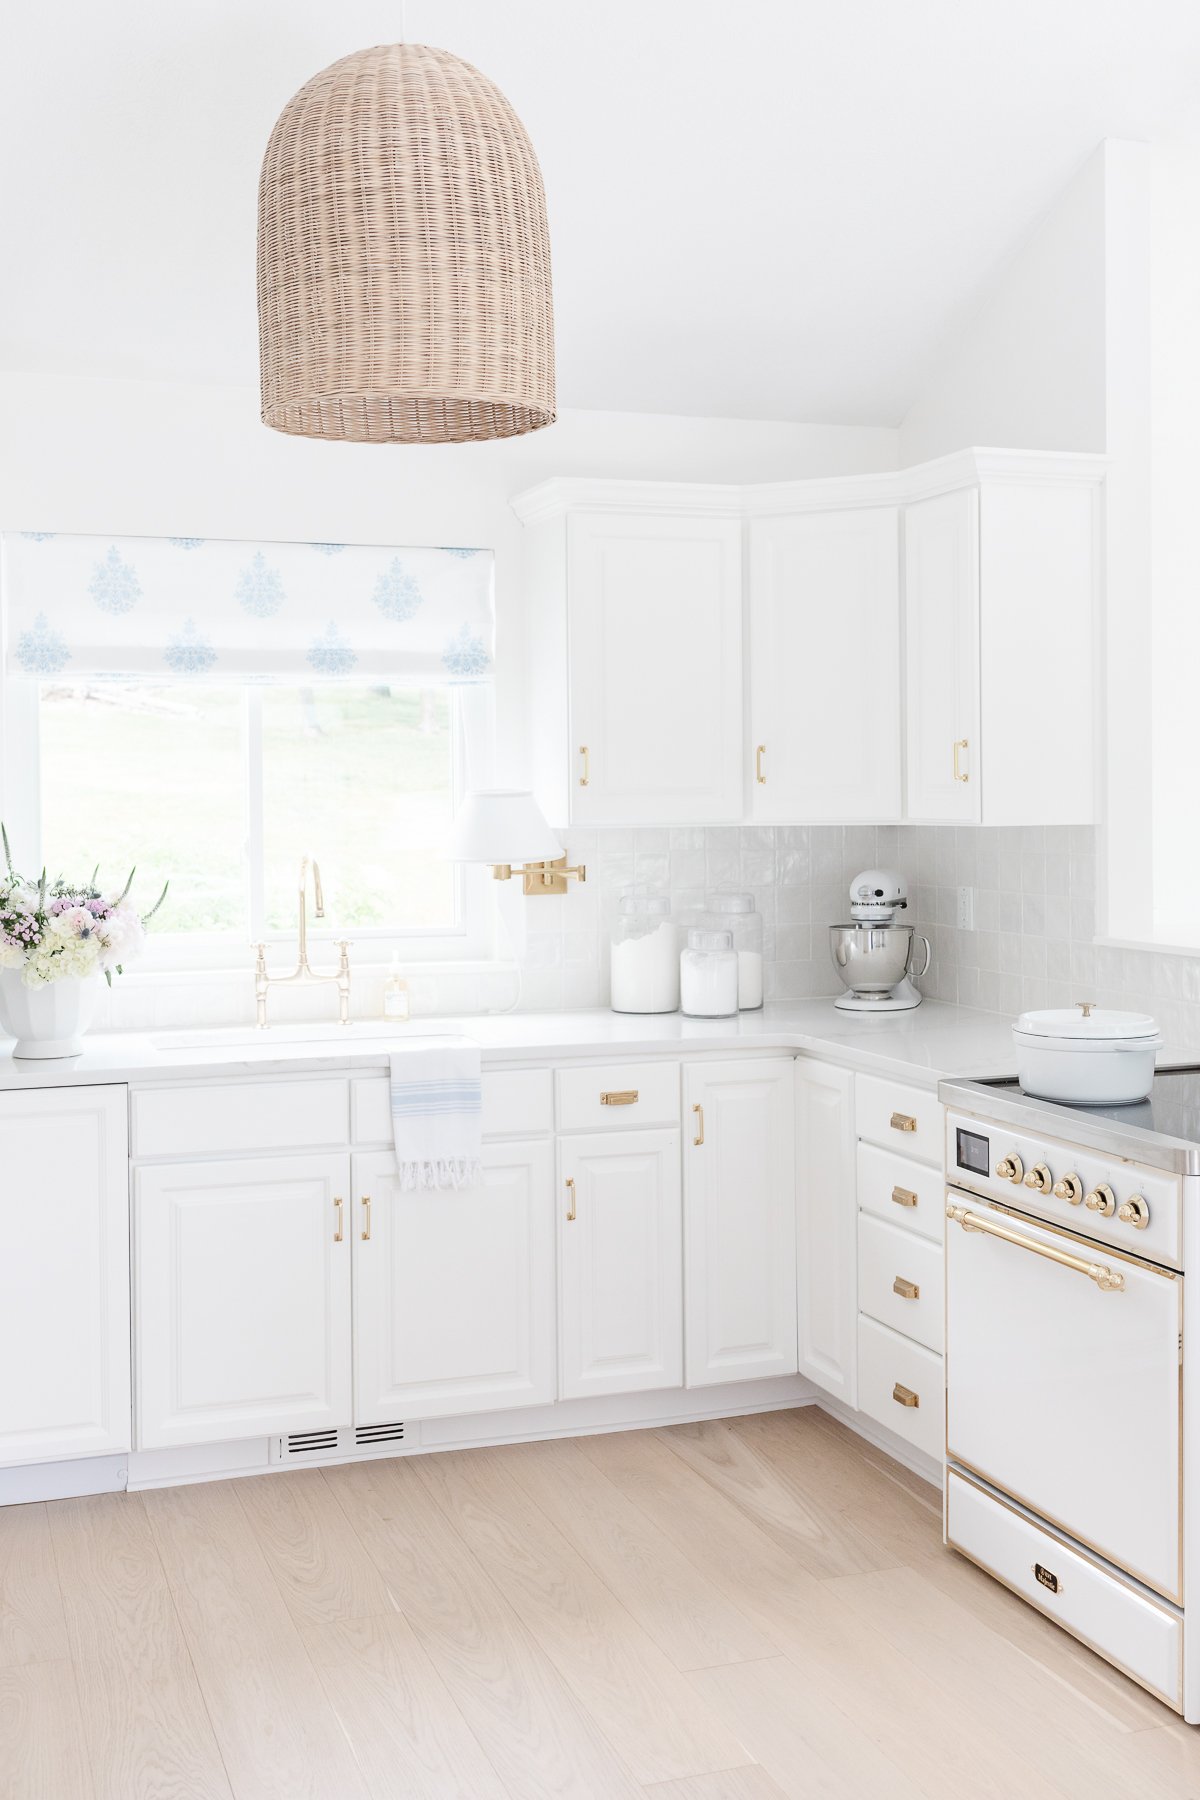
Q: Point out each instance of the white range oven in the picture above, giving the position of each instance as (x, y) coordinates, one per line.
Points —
(1068, 1232)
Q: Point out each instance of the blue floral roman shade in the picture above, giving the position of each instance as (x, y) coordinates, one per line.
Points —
(222, 610)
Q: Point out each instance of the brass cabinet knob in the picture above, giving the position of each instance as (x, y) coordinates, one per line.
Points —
(1101, 1200)
(1070, 1189)
(1134, 1212)
(1039, 1178)
(1010, 1168)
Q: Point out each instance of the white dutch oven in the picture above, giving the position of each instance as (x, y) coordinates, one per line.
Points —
(1086, 1055)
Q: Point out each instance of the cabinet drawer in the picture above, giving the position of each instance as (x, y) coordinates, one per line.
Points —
(891, 1264)
(892, 1369)
(904, 1119)
(1122, 1623)
(517, 1103)
(618, 1097)
(903, 1192)
(232, 1118)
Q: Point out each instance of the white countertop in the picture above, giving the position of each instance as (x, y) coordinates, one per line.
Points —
(920, 1046)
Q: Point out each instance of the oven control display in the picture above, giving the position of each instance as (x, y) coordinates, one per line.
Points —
(973, 1152)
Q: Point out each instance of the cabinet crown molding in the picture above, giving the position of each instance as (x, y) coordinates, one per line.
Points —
(890, 487)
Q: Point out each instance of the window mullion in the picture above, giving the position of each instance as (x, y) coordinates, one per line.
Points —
(256, 895)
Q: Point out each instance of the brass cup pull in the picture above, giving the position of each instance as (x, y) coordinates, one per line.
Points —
(907, 1290)
(759, 753)
(587, 774)
(904, 1396)
(619, 1097)
(571, 1191)
(340, 1233)
(904, 1196)
(366, 1230)
(699, 1137)
(959, 773)
(903, 1122)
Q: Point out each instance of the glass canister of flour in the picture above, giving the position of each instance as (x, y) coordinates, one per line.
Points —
(736, 913)
(645, 954)
(708, 975)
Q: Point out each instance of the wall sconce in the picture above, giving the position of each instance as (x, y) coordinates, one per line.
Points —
(505, 827)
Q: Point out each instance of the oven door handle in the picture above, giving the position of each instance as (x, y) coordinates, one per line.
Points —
(1109, 1281)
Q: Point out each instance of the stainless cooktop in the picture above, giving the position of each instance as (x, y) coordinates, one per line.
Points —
(1163, 1130)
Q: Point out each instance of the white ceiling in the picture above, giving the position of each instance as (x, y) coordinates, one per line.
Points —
(764, 209)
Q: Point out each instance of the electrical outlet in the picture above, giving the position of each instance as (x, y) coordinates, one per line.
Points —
(966, 909)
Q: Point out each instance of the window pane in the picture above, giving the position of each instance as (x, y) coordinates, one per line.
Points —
(363, 779)
(132, 773)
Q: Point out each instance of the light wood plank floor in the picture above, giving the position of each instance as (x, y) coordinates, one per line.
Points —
(757, 1609)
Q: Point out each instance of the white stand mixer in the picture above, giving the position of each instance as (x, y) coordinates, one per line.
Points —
(874, 955)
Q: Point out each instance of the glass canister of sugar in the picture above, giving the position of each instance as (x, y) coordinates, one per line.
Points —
(736, 913)
(708, 975)
(644, 960)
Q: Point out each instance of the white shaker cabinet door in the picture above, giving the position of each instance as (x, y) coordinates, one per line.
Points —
(620, 1263)
(740, 1221)
(64, 1275)
(243, 1298)
(941, 599)
(826, 1227)
(454, 1291)
(655, 659)
(825, 666)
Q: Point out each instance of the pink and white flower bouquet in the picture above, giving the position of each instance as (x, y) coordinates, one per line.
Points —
(50, 932)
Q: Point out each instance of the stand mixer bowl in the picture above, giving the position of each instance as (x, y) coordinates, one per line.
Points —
(871, 959)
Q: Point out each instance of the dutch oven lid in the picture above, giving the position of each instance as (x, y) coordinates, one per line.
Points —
(1087, 1023)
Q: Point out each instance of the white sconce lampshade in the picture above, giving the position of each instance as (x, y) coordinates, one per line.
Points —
(503, 825)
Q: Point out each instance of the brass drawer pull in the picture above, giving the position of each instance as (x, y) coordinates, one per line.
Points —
(960, 773)
(620, 1097)
(904, 1396)
(907, 1290)
(340, 1233)
(759, 753)
(585, 778)
(571, 1191)
(903, 1122)
(366, 1230)
(904, 1196)
(699, 1112)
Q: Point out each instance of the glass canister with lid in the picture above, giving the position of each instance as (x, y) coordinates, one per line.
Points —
(644, 960)
(708, 975)
(736, 913)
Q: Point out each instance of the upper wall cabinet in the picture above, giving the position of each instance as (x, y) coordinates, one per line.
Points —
(1000, 588)
(825, 666)
(634, 630)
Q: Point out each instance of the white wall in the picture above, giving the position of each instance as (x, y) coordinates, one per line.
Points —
(1025, 369)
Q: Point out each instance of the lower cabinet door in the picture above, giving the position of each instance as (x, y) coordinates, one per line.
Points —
(740, 1214)
(64, 1274)
(826, 1227)
(454, 1291)
(243, 1298)
(620, 1263)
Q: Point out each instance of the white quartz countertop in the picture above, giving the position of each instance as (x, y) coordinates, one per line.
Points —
(921, 1046)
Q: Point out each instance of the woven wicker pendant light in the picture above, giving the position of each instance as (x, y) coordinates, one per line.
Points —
(403, 257)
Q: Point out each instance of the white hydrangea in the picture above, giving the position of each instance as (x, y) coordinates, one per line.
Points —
(58, 957)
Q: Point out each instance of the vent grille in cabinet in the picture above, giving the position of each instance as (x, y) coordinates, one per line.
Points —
(306, 1443)
(329, 1445)
(377, 1434)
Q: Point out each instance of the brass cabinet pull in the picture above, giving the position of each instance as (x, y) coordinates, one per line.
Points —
(904, 1396)
(759, 753)
(586, 776)
(571, 1191)
(907, 1290)
(619, 1097)
(1109, 1281)
(960, 744)
(366, 1230)
(340, 1233)
(699, 1112)
(904, 1196)
(903, 1122)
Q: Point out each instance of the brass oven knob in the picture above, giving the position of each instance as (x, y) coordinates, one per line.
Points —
(1101, 1200)
(1070, 1189)
(1039, 1178)
(1134, 1212)
(1010, 1168)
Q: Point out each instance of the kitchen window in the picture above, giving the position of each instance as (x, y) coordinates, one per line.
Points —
(221, 790)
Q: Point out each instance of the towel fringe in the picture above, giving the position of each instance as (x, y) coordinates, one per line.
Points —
(445, 1172)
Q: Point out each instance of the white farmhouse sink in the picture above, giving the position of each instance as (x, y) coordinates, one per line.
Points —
(328, 1032)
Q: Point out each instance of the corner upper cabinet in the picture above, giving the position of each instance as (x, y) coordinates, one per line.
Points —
(824, 729)
(634, 641)
(1000, 597)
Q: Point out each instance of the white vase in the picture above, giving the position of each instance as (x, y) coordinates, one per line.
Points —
(48, 1020)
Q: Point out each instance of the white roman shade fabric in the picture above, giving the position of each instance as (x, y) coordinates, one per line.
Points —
(224, 610)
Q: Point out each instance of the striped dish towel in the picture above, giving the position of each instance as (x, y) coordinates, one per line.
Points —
(436, 1105)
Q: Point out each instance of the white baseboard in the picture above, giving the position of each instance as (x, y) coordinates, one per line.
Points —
(63, 1480)
(197, 1462)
